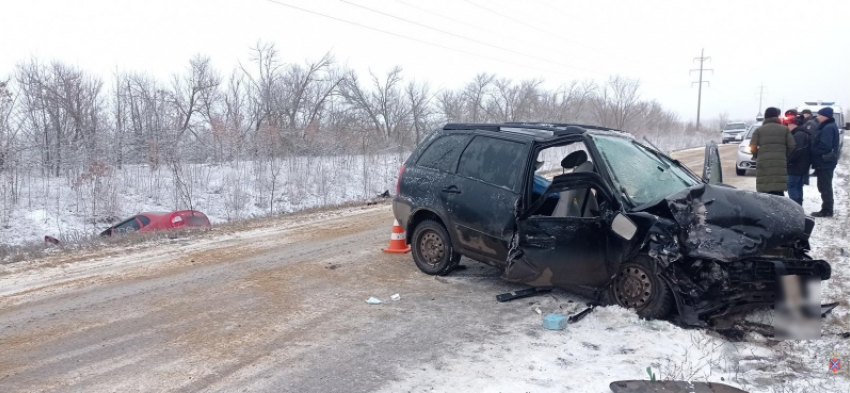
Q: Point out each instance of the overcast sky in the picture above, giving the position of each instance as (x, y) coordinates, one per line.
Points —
(800, 50)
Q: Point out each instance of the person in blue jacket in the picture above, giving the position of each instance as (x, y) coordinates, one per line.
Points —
(824, 159)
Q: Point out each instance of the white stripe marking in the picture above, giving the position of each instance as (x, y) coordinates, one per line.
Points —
(397, 236)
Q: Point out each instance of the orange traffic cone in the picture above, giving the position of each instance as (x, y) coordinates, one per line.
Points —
(397, 242)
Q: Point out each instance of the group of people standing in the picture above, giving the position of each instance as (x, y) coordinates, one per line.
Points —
(786, 149)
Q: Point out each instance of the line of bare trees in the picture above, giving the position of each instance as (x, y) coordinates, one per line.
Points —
(57, 120)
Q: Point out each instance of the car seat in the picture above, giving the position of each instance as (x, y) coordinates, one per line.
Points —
(578, 202)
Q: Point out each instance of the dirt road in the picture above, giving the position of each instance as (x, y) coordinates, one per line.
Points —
(275, 309)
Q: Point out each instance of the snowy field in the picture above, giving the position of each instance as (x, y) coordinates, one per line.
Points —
(614, 344)
(76, 209)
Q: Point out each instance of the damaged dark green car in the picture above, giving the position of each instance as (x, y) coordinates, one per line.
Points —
(619, 222)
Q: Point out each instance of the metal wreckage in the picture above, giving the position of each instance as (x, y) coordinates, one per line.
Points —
(707, 251)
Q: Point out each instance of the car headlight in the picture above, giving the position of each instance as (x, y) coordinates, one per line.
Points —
(738, 138)
(744, 149)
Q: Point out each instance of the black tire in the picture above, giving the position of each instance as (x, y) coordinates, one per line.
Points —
(740, 172)
(432, 249)
(638, 287)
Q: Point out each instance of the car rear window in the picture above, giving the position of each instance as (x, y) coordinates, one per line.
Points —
(442, 154)
(495, 161)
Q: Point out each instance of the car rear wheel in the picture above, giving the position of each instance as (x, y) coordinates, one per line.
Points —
(740, 172)
(432, 249)
(638, 287)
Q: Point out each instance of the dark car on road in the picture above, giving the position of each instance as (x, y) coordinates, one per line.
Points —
(620, 221)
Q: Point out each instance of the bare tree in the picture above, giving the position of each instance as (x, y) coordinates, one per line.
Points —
(617, 103)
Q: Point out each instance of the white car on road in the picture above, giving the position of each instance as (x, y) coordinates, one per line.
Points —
(734, 131)
(745, 156)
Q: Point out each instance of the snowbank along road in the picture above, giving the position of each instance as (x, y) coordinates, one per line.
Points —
(282, 309)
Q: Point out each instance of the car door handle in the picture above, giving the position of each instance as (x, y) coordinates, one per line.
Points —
(540, 241)
(451, 190)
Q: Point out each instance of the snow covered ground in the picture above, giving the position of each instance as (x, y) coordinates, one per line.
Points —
(75, 209)
(614, 344)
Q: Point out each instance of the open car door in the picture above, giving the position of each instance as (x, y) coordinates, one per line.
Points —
(712, 173)
(569, 246)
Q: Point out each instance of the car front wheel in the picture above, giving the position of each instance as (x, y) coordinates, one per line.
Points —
(638, 287)
(740, 172)
(432, 249)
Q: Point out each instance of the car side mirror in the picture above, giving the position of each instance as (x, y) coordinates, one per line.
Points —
(847, 126)
(623, 226)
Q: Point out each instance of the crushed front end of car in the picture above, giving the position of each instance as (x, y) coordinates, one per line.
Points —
(723, 250)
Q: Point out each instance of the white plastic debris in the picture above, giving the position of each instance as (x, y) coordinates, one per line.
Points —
(395, 297)
(537, 310)
(373, 300)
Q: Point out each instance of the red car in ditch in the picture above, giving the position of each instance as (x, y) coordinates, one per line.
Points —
(159, 221)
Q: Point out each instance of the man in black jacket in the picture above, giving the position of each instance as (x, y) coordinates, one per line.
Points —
(799, 159)
(810, 123)
(824, 159)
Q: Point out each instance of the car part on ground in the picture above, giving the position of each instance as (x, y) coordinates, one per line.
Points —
(506, 297)
(671, 387)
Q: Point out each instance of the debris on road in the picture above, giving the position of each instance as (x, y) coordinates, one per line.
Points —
(578, 317)
(373, 300)
(395, 297)
(671, 387)
(506, 297)
(555, 322)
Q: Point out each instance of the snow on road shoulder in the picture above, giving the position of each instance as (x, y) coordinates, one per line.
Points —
(53, 271)
(614, 344)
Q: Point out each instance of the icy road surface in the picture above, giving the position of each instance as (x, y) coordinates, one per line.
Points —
(283, 309)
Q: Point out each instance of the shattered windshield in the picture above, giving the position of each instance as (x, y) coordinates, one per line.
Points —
(641, 174)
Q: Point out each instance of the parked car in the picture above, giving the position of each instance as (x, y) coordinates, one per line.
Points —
(733, 131)
(630, 225)
(159, 221)
(745, 160)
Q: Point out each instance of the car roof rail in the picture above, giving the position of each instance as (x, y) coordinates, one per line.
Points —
(565, 126)
(536, 129)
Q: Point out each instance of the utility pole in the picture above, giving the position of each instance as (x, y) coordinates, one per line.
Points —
(761, 97)
(702, 59)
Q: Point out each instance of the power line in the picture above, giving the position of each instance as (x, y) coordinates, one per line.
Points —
(467, 24)
(529, 25)
(411, 38)
(593, 48)
(761, 97)
(469, 39)
(702, 59)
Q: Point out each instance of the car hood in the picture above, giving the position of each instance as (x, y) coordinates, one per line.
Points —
(723, 223)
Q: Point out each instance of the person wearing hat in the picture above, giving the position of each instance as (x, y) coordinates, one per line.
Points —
(824, 159)
(771, 144)
(810, 123)
(799, 161)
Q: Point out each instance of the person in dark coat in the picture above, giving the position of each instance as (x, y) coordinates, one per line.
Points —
(810, 123)
(771, 144)
(824, 159)
(799, 160)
